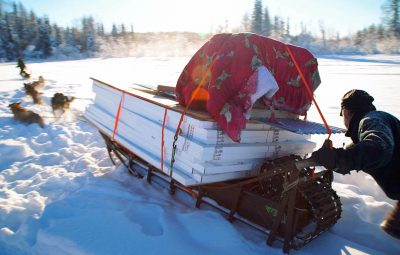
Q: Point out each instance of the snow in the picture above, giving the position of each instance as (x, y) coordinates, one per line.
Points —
(60, 194)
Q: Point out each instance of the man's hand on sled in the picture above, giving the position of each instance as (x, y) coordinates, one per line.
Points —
(326, 156)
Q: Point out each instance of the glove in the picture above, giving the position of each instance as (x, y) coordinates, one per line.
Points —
(326, 156)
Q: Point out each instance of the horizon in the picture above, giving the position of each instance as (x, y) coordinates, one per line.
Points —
(338, 16)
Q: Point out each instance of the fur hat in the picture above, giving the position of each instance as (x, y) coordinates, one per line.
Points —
(357, 101)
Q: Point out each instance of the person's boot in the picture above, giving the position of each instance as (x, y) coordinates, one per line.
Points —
(391, 224)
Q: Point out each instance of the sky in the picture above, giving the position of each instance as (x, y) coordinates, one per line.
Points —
(341, 16)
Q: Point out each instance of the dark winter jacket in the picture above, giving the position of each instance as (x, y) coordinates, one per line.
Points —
(375, 149)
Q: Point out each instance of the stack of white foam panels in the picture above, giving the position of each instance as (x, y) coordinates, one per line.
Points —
(204, 153)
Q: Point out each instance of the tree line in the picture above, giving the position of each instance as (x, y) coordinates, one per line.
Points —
(23, 33)
(377, 38)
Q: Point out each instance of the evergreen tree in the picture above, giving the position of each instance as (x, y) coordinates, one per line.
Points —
(287, 30)
(22, 28)
(1, 10)
(57, 36)
(132, 33)
(114, 31)
(43, 44)
(123, 31)
(89, 35)
(15, 27)
(100, 30)
(7, 42)
(278, 27)
(323, 33)
(359, 38)
(380, 32)
(2, 52)
(69, 37)
(275, 26)
(31, 29)
(257, 18)
(266, 23)
(395, 22)
(392, 18)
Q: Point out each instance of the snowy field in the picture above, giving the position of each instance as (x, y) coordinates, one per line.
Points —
(60, 194)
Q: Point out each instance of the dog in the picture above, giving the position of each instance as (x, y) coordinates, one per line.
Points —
(25, 75)
(40, 82)
(60, 102)
(31, 90)
(24, 115)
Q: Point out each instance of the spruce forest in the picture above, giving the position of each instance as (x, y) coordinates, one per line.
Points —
(25, 34)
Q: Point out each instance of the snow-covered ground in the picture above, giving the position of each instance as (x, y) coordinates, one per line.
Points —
(60, 194)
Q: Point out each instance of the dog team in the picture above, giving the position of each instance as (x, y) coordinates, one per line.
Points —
(59, 102)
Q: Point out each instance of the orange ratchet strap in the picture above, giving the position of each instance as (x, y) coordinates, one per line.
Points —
(162, 139)
(310, 93)
(117, 116)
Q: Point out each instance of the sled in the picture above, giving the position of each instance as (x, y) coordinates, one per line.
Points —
(264, 183)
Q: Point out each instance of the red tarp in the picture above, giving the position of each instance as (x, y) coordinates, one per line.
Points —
(224, 68)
